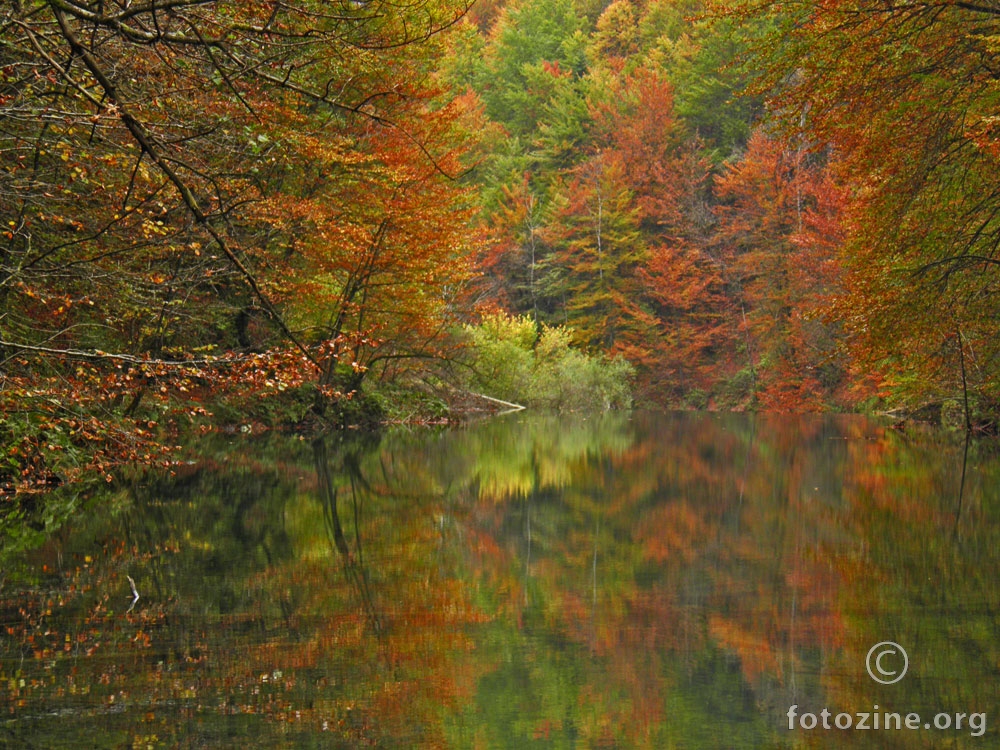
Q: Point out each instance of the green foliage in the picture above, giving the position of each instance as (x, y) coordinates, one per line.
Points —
(285, 409)
(598, 246)
(503, 355)
(569, 379)
(710, 88)
(529, 35)
(513, 360)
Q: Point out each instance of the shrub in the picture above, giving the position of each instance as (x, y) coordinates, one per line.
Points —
(514, 360)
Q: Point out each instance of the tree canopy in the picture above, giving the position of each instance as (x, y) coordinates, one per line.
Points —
(202, 195)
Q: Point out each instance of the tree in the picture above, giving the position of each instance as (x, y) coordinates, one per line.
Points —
(695, 347)
(163, 163)
(782, 276)
(597, 251)
(682, 349)
(528, 36)
(906, 95)
(511, 266)
(377, 282)
(210, 197)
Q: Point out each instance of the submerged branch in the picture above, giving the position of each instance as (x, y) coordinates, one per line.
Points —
(135, 592)
(512, 406)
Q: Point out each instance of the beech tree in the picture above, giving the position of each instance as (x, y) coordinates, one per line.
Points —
(597, 250)
(528, 36)
(156, 154)
(179, 178)
(512, 265)
(907, 96)
(777, 238)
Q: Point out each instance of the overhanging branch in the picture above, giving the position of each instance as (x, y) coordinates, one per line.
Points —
(148, 145)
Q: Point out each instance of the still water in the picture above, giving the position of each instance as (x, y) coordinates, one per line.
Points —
(667, 581)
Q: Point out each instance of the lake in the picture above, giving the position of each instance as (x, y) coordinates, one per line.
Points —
(680, 580)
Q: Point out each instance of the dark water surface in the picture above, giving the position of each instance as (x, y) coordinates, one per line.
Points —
(673, 581)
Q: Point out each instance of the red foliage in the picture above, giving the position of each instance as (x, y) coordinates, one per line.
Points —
(778, 238)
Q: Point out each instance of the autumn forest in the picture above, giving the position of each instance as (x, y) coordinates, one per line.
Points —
(511, 373)
(221, 213)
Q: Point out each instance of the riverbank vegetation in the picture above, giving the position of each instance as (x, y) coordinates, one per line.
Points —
(511, 358)
(314, 214)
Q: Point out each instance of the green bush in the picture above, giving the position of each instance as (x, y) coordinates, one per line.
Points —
(511, 359)
(503, 356)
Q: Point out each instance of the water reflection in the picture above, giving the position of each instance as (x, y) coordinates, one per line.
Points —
(627, 581)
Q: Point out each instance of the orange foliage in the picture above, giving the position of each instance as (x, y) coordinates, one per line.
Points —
(778, 236)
